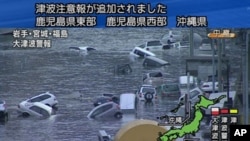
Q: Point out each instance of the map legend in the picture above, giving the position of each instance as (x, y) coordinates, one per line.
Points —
(224, 111)
(222, 118)
(215, 111)
(233, 111)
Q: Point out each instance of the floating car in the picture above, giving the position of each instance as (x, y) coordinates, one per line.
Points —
(4, 115)
(193, 95)
(181, 44)
(85, 48)
(103, 136)
(146, 93)
(122, 69)
(153, 78)
(46, 98)
(208, 87)
(109, 109)
(151, 61)
(140, 52)
(37, 109)
(169, 90)
(153, 45)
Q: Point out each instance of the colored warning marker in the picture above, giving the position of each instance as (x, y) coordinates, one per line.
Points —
(224, 111)
(215, 111)
(233, 111)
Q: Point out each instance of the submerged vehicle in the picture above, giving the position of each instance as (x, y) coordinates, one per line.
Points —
(193, 95)
(4, 115)
(169, 90)
(122, 69)
(153, 45)
(109, 109)
(46, 98)
(153, 78)
(140, 52)
(84, 48)
(37, 109)
(151, 61)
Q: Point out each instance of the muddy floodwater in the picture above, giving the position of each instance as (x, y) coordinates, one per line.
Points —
(68, 74)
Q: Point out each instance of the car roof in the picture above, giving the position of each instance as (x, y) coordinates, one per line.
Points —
(99, 106)
(146, 85)
(46, 93)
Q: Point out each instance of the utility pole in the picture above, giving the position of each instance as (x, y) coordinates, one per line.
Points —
(245, 92)
(191, 41)
(213, 64)
(223, 47)
(219, 48)
(187, 103)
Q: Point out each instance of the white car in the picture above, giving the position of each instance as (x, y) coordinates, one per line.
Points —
(208, 86)
(84, 48)
(180, 45)
(147, 93)
(193, 95)
(176, 36)
(46, 98)
(140, 52)
(153, 45)
(37, 109)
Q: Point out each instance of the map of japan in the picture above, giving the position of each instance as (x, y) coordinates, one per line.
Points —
(192, 126)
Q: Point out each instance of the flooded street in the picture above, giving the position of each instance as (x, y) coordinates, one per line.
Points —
(25, 73)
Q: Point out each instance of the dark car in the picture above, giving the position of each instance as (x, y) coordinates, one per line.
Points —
(104, 99)
(169, 90)
(3, 111)
(122, 69)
